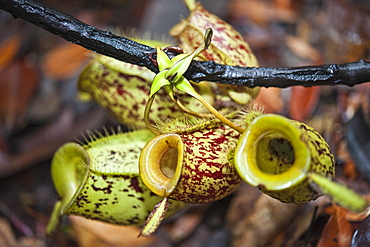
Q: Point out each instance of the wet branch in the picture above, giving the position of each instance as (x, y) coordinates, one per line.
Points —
(349, 74)
(106, 43)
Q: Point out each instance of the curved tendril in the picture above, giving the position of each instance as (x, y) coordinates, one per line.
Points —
(185, 86)
(146, 116)
(176, 100)
(218, 115)
(190, 112)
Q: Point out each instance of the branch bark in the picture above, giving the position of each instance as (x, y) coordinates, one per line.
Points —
(126, 50)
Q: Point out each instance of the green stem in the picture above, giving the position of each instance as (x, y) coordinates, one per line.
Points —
(146, 116)
(190, 4)
(217, 114)
(190, 112)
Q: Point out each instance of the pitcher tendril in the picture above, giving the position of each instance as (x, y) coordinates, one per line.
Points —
(171, 74)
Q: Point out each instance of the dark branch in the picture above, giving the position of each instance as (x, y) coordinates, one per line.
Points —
(106, 43)
(77, 32)
(349, 74)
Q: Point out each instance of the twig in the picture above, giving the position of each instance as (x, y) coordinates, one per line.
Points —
(106, 43)
(80, 33)
(349, 74)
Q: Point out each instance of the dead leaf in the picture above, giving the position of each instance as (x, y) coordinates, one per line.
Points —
(8, 49)
(358, 217)
(64, 61)
(351, 216)
(187, 224)
(267, 218)
(242, 203)
(31, 242)
(302, 49)
(263, 11)
(18, 84)
(7, 238)
(302, 102)
(349, 168)
(306, 216)
(270, 99)
(338, 231)
(99, 234)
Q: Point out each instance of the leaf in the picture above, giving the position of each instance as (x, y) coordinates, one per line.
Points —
(243, 201)
(18, 84)
(99, 234)
(163, 60)
(264, 12)
(64, 61)
(185, 86)
(185, 225)
(338, 231)
(159, 81)
(302, 49)
(270, 99)
(7, 235)
(9, 48)
(303, 101)
(265, 220)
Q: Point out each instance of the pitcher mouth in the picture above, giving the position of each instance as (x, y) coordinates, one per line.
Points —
(271, 153)
(161, 162)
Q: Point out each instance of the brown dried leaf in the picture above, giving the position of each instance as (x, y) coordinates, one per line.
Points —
(241, 204)
(267, 218)
(304, 220)
(358, 217)
(30, 241)
(187, 224)
(18, 84)
(303, 101)
(349, 168)
(8, 49)
(354, 99)
(302, 48)
(270, 99)
(7, 238)
(338, 231)
(64, 61)
(98, 234)
(264, 11)
(351, 216)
